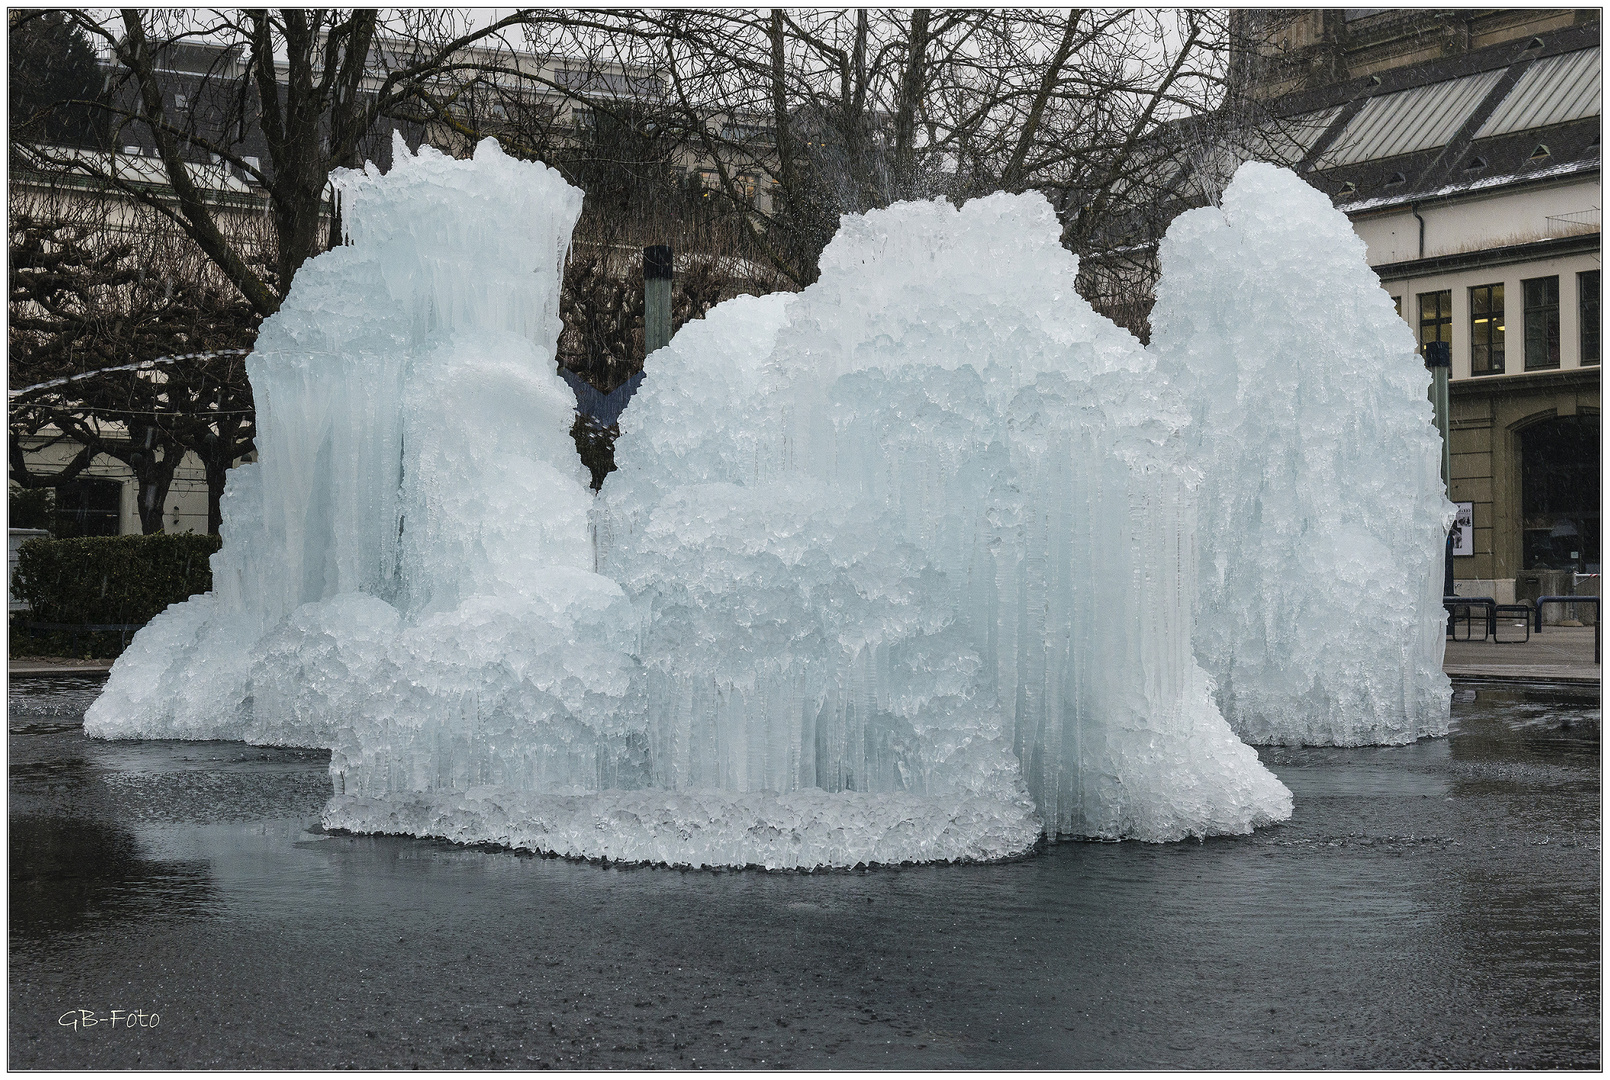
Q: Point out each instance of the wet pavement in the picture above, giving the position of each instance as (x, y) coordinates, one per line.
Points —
(1436, 905)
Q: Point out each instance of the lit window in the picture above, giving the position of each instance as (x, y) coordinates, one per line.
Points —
(1587, 306)
(1540, 298)
(1487, 330)
(1436, 317)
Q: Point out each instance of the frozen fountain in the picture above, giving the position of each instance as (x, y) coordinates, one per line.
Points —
(903, 567)
(1322, 515)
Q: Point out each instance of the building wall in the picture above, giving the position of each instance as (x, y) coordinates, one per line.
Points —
(1488, 413)
(1314, 46)
(1486, 422)
(1476, 222)
(186, 508)
(1406, 290)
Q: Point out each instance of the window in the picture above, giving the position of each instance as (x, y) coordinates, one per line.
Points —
(88, 508)
(1587, 307)
(741, 132)
(1540, 298)
(1436, 317)
(616, 83)
(1560, 494)
(1487, 330)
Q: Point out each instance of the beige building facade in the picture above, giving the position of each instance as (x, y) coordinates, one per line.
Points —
(104, 499)
(1465, 147)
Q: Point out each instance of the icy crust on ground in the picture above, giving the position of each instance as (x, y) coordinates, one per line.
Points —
(801, 829)
(927, 543)
(1322, 517)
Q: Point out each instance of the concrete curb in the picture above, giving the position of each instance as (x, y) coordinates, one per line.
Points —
(90, 667)
(1522, 676)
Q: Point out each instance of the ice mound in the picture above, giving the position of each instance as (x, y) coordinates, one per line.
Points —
(918, 532)
(407, 576)
(400, 364)
(1321, 524)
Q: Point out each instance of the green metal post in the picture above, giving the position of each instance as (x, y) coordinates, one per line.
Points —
(1439, 358)
(1439, 405)
(656, 298)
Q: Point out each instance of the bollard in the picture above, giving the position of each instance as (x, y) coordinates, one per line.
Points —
(656, 297)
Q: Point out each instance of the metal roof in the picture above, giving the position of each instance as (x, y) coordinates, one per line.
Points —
(139, 168)
(1211, 163)
(1298, 133)
(1410, 120)
(1553, 91)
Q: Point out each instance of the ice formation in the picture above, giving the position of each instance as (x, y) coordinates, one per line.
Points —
(921, 529)
(1322, 517)
(899, 568)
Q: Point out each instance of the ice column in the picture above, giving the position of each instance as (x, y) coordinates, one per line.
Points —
(411, 455)
(1322, 513)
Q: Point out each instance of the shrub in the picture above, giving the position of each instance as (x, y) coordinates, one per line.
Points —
(111, 579)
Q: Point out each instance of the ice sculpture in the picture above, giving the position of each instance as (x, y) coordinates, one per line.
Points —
(900, 568)
(1322, 515)
(937, 528)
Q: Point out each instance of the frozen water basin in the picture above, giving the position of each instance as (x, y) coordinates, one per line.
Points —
(1435, 905)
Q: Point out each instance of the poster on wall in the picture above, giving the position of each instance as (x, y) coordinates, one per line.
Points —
(1464, 529)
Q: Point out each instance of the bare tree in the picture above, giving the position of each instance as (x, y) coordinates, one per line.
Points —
(95, 298)
(837, 111)
(309, 87)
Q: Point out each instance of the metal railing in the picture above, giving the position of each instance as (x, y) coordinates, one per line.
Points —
(1489, 627)
(1594, 600)
(1580, 220)
(1525, 613)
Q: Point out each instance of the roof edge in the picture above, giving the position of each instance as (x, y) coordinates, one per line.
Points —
(1501, 256)
(1473, 188)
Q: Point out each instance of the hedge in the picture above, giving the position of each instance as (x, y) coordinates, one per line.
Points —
(110, 579)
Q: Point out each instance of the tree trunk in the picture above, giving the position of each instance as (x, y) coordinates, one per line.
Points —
(217, 474)
(912, 82)
(153, 465)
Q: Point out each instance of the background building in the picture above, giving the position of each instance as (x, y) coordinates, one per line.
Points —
(1465, 147)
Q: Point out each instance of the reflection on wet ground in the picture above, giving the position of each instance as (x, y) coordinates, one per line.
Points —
(1435, 905)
